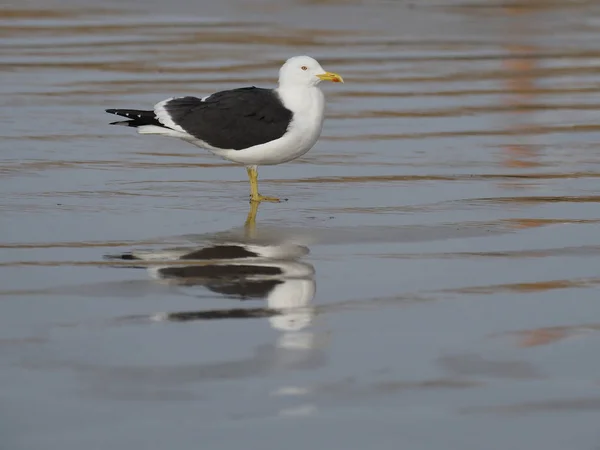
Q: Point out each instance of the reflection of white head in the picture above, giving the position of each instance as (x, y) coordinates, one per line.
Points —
(294, 320)
(292, 300)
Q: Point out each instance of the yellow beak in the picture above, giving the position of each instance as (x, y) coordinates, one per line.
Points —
(330, 76)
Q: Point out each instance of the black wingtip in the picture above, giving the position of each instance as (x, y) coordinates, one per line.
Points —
(137, 117)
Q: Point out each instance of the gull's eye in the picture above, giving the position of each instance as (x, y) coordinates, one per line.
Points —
(304, 68)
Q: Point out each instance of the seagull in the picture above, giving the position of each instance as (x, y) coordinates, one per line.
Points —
(250, 126)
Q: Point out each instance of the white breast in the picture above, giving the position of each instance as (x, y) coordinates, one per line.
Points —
(308, 106)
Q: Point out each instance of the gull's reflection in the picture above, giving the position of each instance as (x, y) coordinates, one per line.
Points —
(245, 267)
(238, 267)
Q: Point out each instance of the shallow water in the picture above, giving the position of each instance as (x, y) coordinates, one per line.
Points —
(431, 283)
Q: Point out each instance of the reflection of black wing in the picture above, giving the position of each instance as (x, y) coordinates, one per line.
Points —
(225, 251)
(233, 119)
(237, 313)
(245, 289)
(231, 280)
(219, 271)
(221, 252)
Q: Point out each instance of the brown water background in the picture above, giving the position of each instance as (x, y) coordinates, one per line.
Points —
(450, 211)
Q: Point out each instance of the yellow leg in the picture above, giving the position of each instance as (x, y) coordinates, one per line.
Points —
(254, 195)
(250, 224)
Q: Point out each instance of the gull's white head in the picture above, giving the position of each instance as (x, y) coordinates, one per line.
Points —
(305, 71)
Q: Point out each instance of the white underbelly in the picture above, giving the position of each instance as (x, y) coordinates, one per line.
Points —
(292, 145)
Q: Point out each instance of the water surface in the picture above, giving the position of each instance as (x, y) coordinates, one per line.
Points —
(431, 283)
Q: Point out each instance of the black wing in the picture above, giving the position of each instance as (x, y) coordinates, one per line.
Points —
(234, 119)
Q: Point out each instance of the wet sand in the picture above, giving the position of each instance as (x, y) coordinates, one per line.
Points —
(431, 282)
